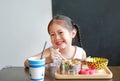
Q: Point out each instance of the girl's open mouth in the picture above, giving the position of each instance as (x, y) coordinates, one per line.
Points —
(59, 43)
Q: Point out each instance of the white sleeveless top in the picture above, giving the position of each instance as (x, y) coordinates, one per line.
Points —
(80, 53)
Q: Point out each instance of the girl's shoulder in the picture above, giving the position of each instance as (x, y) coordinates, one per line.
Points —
(47, 51)
(79, 49)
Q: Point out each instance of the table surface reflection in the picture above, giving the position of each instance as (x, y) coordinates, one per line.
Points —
(21, 74)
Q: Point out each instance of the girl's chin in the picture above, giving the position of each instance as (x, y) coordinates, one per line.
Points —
(61, 47)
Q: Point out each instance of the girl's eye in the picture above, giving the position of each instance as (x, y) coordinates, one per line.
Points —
(60, 32)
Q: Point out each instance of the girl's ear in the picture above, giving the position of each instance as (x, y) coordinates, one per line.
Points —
(74, 31)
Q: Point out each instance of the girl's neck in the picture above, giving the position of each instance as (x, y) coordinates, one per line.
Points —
(68, 52)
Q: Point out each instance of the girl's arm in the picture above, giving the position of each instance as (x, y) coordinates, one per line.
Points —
(46, 54)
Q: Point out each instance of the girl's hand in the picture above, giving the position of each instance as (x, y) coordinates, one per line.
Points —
(55, 54)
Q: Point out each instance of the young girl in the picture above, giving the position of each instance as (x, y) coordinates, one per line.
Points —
(62, 31)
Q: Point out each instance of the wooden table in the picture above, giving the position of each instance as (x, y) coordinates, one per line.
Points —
(21, 74)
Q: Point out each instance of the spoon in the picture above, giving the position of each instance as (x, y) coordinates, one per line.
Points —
(43, 50)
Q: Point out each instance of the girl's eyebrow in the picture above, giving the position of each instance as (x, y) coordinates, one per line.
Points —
(51, 32)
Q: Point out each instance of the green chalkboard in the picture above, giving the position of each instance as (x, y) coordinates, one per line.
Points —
(99, 22)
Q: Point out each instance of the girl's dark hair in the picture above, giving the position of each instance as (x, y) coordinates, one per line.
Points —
(71, 26)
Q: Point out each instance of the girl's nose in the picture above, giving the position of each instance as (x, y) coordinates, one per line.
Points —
(57, 37)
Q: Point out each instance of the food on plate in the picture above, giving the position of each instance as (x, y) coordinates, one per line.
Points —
(70, 66)
(87, 71)
(97, 63)
(88, 66)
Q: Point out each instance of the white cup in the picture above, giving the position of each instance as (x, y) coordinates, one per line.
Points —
(36, 68)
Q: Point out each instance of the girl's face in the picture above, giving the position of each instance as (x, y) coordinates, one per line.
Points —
(60, 36)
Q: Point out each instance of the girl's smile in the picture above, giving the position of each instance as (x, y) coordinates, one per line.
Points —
(58, 43)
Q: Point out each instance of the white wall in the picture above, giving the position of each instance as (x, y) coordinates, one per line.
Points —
(23, 29)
